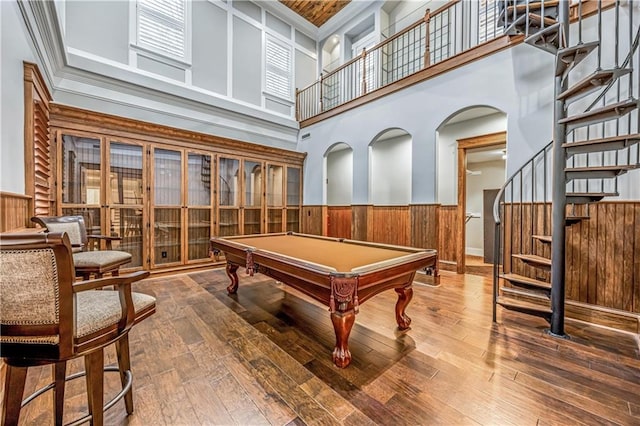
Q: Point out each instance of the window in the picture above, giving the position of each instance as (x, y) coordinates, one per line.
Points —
(162, 26)
(278, 69)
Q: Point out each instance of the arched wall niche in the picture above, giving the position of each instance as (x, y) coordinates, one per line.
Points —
(390, 154)
(338, 174)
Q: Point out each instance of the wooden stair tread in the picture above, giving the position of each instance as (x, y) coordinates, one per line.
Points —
(532, 6)
(542, 238)
(525, 307)
(532, 258)
(592, 82)
(571, 56)
(607, 112)
(601, 144)
(515, 278)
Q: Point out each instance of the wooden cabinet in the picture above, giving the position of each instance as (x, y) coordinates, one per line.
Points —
(166, 192)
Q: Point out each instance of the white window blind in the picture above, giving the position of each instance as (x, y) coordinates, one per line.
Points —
(278, 69)
(161, 26)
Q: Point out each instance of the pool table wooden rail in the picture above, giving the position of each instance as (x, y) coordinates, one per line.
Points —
(341, 291)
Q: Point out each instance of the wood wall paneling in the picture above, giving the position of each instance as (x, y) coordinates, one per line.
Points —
(312, 219)
(602, 260)
(448, 221)
(359, 221)
(391, 225)
(339, 221)
(424, 225)
(16, 211)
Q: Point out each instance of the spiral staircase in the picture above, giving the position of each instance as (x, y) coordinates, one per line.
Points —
(595, 141)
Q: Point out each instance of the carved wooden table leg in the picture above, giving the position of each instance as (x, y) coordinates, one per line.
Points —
(404, 297)
(231, 273)
(342, 324)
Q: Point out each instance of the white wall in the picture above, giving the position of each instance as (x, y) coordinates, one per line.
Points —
(492, 176)
(15, 47)
(517, 80)
(340, 176)
(447, 151)
(390, 171)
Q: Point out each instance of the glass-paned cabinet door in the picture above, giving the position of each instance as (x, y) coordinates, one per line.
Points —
(253, 189)
(81, 178)
(275, 197)
(126, 199)
(293, 199)
(167, 207)
(199, 210)
(229, 196)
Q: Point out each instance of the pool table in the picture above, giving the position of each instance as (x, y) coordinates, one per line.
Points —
(339, 273)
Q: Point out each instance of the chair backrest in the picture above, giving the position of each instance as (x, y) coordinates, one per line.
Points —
(74, 226)
(36, 295)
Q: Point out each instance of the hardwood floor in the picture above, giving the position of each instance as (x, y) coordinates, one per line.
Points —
(263, 357)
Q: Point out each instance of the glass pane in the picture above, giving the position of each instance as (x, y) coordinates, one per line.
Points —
(229, 169)
(80, 170)
(199, 185)
(126, 223)
(274, 223)
(229, 222)
(167, 230)
(199, 233)
(126, 174)
(293, 220)
(168, 177)
(293, 186)
(91, 218)
(252, 221)
(274, 185)
(252, 184)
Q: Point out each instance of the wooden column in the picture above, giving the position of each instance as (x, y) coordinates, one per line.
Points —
(427, 50)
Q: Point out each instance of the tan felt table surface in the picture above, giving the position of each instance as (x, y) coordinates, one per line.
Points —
(339, 255)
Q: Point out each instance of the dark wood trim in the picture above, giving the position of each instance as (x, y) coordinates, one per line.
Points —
(76, 119)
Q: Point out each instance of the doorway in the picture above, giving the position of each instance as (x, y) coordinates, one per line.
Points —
(481, 173)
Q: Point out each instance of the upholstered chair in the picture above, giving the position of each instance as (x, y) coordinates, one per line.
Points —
(87, 261)
(48, 318)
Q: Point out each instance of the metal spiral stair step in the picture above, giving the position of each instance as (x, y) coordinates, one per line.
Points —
(602, 144)
(547, 39)
(569, 57)
(597, 172)
(605, 113)
(588, 197)
(591, 83)
(534, 260)
(530, 283)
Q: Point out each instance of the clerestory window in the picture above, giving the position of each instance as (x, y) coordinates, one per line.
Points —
(278, 64)
(162, 26)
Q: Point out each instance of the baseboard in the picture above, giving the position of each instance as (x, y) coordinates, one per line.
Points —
(591, 314)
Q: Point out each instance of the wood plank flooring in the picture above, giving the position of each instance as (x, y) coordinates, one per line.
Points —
(262, 357)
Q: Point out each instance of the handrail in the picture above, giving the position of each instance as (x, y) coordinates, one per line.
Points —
(496, 203)
(434, 38)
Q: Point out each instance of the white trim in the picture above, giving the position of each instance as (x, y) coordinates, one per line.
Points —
(156, 56)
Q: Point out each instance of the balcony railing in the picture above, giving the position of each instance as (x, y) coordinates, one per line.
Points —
(456, 27)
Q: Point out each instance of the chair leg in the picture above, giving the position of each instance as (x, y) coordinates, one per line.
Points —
(124, 364)
(59, 373)
(14, 381)
(94, 364)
